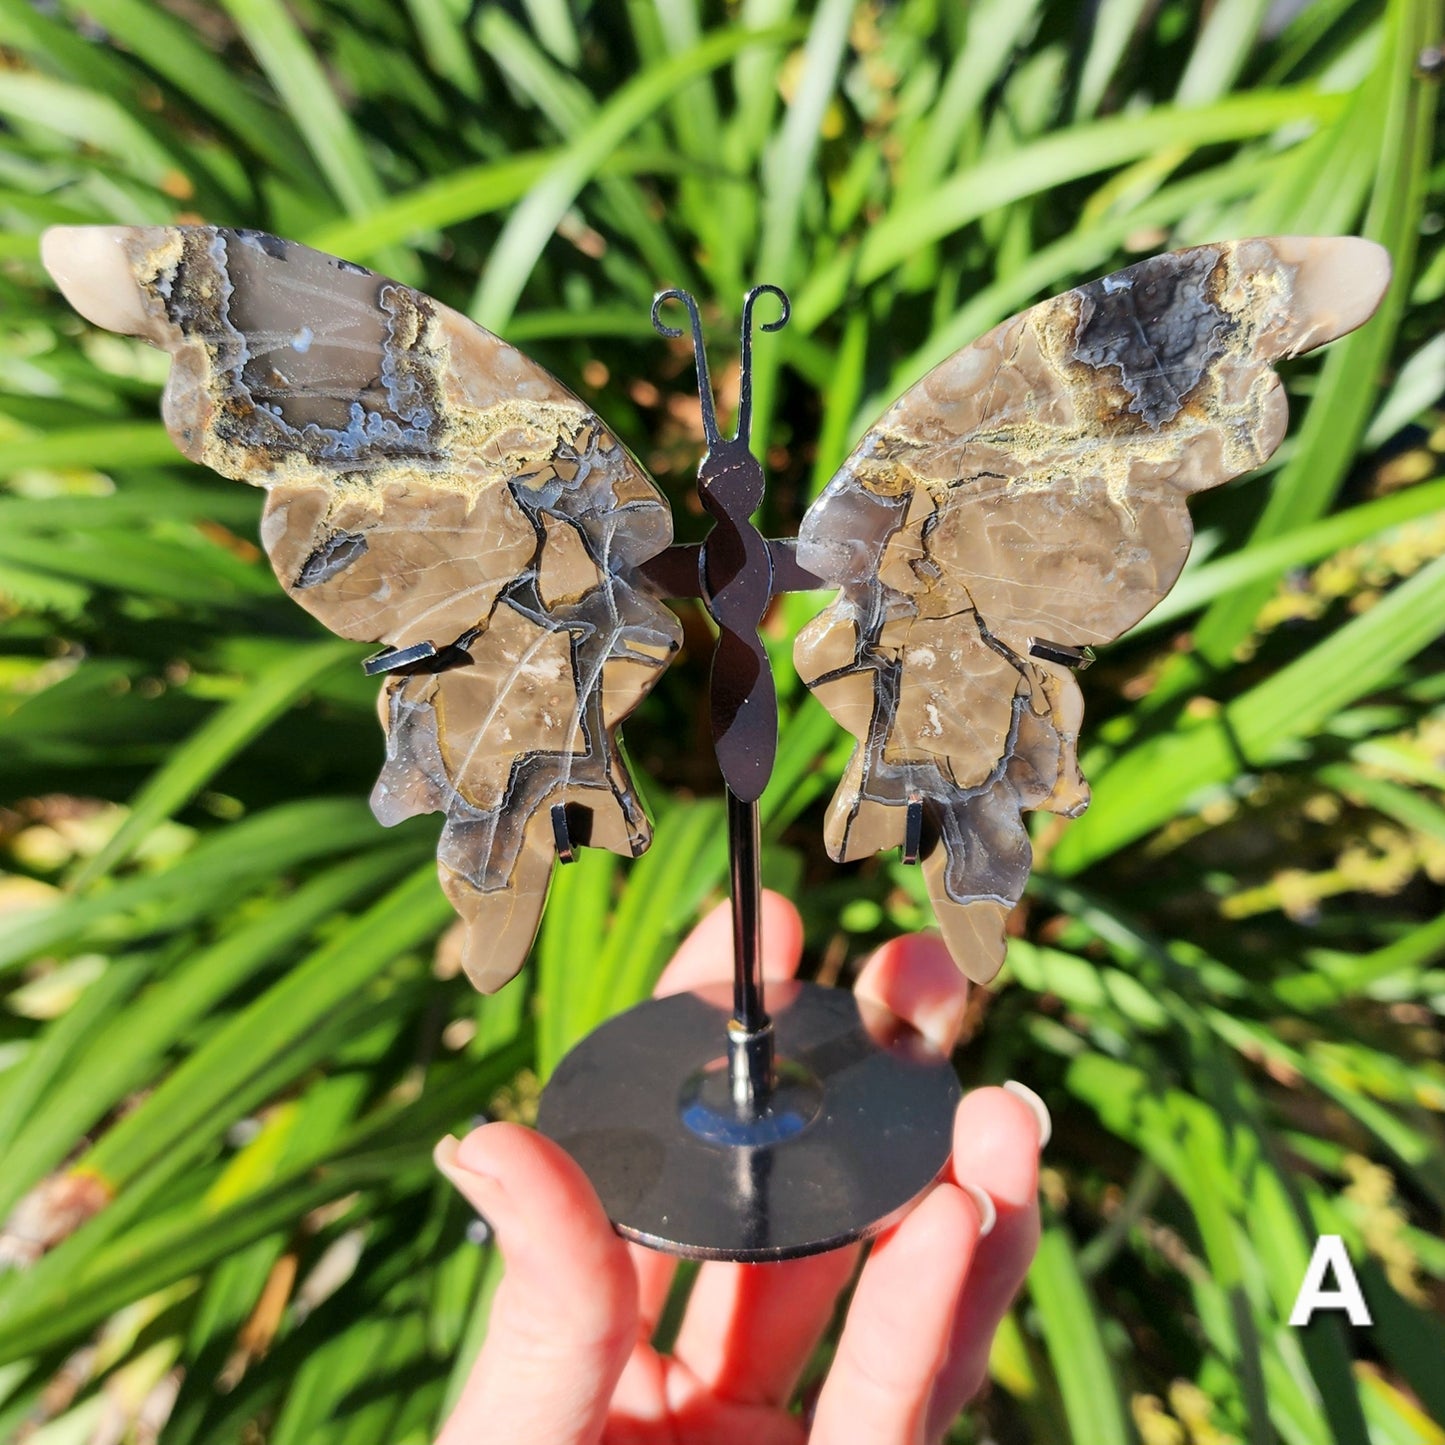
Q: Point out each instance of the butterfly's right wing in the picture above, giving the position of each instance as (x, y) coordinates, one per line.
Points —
(1022, 501)
(431, 489)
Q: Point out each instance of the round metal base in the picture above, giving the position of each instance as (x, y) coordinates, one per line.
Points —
(859, 1125)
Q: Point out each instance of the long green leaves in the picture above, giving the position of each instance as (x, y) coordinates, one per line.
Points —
(1071, 1332)
(190, 766)
(1150, 784)
(1403, 114)
(231, 1031)
(993, 183)
(533, 221)
(302, 87)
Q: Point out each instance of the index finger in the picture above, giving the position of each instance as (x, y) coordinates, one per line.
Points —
(996, 1143)
(915, 978)
(564, 1318)
(706, 954)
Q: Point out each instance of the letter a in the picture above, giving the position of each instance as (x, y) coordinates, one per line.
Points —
(1330, 1254)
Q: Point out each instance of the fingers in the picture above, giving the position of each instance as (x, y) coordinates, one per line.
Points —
(995, 1148)
(996, 1151)
(706, 954)
(565, 1315)
(896, 1338)
(750, 1329)
(654, 1272)
(916, 979)
(915, 1347)
(660, 1403)
(699, 1419)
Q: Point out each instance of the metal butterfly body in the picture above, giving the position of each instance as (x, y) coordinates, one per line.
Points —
(433, 490)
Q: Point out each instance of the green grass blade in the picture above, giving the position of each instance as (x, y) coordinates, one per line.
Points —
(787, 172)
(117, 444)
(685, 863)
(302, 84)
(471, 191)
(173, 50)
(444, 41)
(1070, 1326)
(1306, 544)
(126, 1048)
(196, 761)
(1063, 156)
(570, 946)
(1226, 38)
(409, 915)
(1116, 23)
(1149, 785)
(1341, 407)
(203, 576)
(217, 871)
(389, 1150)
(49, 1057)
(534, 221)
(571, 110)
(91, 120)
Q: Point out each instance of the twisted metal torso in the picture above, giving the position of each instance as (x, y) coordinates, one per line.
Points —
(736, 580)
(736, 575)
(735, 568)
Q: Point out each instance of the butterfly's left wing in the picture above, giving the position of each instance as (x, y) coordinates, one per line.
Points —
(431, 489)
(1024, 500)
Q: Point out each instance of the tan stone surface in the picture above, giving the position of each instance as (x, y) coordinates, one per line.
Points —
(1033, 486)
(426, 483)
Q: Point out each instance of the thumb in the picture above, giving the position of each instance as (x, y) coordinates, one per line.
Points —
(564, 1319)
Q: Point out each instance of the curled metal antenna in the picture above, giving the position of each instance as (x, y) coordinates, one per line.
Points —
(699, 355)
(745, 387)
(699, 352)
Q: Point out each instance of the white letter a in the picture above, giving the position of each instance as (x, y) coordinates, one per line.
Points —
(1330, 1254)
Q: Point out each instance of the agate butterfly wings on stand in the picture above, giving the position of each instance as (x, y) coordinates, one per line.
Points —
(429, 488)
(432, 490)
(1023, 502)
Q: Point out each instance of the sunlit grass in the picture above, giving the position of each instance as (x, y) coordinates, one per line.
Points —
(229, 1041)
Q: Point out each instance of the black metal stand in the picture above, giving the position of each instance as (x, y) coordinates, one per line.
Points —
(750, 1030)
(820, 1123)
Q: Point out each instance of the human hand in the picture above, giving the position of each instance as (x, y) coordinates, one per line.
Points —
(568, 1358)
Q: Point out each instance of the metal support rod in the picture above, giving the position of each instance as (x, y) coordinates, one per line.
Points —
(747, 914)
(734, 571)
(750, 1033)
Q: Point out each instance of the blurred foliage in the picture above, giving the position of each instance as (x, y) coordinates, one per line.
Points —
(229, 1041)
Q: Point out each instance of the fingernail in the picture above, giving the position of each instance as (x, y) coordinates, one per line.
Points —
(1039, 1108)
(987, 1212)
(444, 1156)
(469, 1184)
(939, 1023)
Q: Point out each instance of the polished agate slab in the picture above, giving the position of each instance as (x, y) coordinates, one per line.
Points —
(428, 487)
(1024, 500)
